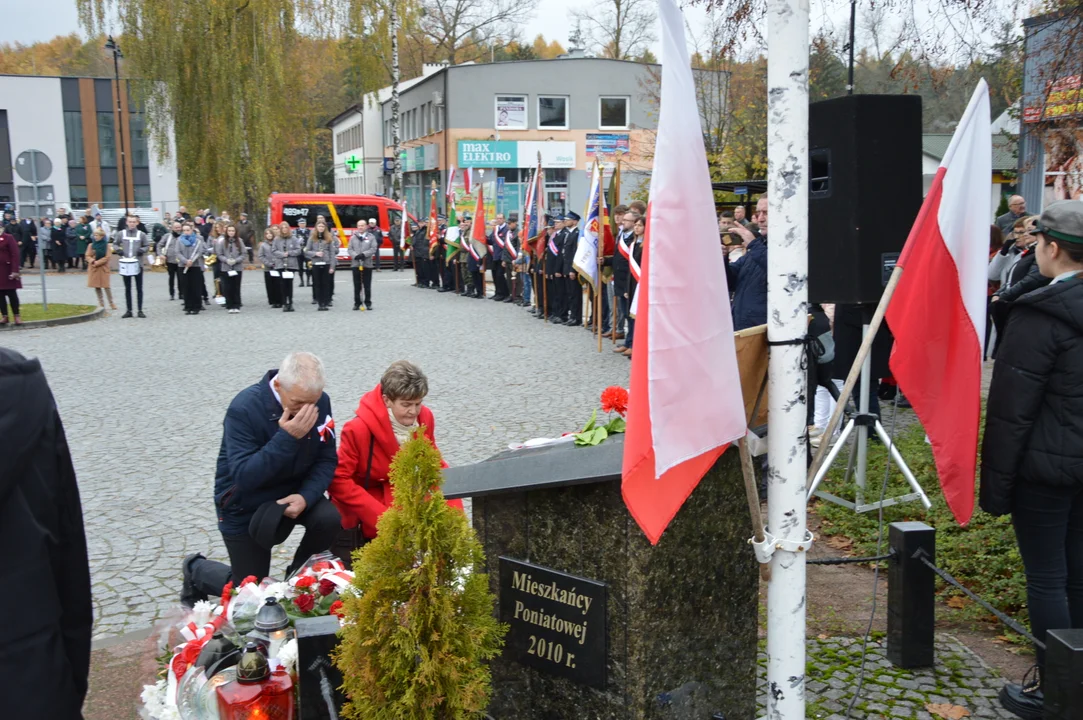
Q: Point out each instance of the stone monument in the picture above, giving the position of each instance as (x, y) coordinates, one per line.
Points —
(602, 624)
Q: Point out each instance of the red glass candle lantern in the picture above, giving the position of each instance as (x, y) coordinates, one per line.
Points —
(256, 694)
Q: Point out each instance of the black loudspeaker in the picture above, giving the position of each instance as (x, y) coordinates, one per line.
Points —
(864, 192)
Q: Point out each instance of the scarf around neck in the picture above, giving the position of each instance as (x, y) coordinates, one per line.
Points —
(99, 248)
(402, 432)
(188, 240)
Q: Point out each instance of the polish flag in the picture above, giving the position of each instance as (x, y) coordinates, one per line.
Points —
(468, 180)
(685, 404)
(937, 313)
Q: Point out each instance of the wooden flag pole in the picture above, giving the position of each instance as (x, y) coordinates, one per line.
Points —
(545, 294)
(753, 496)
(854, 375)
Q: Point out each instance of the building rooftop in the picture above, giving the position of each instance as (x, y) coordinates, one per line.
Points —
(1004, 149)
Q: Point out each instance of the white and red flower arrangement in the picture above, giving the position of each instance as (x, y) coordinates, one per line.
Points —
(312, 591)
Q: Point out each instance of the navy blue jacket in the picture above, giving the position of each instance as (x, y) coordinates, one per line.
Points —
(747, 278)
(259, 461)
(494, 247)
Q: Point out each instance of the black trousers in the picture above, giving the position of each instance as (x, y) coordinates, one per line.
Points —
(29, 252)
(173, 269)
(500, 285)
(232, 290)
(573, 297)
(192, 288)
(398, 255)
(13, 297)
(355, 273)
(246, 557)
(285, 289)
(477, 280)
(273, 285)
(321, 284)
(1048, 525)
(420, 270)
(555, 291)
(301, 273)
(366, 285)
(138, 290)
(436, 270)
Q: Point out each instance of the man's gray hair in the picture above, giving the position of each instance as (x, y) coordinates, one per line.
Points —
(302, 371)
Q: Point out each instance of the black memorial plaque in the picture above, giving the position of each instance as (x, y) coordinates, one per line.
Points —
(557, 622)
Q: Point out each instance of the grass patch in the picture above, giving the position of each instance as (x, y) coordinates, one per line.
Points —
(982, 556)
(33, 311)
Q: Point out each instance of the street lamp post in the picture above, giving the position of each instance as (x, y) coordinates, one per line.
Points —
(112, 46)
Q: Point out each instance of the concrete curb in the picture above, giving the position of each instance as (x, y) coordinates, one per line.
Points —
(85, 317)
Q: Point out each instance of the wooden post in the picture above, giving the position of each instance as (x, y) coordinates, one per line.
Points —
(855, 374)
(753, 495)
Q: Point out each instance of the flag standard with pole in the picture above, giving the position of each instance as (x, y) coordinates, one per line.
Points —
(685, 405)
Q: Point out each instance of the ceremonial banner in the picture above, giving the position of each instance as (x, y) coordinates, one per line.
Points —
(937, 313)
(585, 261)
(451, 239)
(685, 405)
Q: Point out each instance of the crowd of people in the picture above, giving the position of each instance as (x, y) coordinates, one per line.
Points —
(537, 272)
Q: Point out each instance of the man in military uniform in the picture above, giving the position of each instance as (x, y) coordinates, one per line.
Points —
(496, 240)
(475, 267)
(437, 254)
(419, 249)
(573, 298)
(302, 234)
(554, 271)
(460, 261)
(513, 249)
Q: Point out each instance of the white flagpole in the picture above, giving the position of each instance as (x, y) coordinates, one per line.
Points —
(787, 312)
(405, 219)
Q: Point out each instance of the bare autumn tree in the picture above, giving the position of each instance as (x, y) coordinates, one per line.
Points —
(618, 29)
(465, 30)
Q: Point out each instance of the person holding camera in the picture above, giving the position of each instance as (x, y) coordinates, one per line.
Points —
(747, 274)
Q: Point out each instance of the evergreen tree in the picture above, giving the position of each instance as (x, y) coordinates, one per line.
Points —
(419, 631)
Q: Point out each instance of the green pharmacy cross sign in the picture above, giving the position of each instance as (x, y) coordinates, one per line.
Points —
(351, 163)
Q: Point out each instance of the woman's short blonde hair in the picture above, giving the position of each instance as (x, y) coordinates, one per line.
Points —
(97, 232)
(404, 381)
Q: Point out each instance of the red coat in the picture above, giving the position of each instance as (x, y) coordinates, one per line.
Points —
(370, 427)
(9, 262)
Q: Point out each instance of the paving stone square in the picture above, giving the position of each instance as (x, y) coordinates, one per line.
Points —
(142, 401)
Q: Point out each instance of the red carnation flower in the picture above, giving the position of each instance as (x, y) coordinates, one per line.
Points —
(336, 609)
(305, 582)
(248, 580)
(304, 602)
(615, 399)
(227, 590)
(326, 587)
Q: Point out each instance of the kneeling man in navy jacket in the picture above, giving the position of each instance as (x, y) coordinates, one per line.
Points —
(277, 458)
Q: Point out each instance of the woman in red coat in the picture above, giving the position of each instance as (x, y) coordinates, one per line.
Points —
(387, 416)
(10, 281)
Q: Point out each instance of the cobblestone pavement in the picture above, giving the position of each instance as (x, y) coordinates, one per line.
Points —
(960, 678)
(143, 400)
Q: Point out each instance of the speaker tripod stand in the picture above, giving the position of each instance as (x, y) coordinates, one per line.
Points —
(859, 426)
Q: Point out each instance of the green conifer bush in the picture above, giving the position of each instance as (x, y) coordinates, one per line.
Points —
(420, 630)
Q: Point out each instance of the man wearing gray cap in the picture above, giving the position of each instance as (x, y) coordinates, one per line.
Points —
(1032, 453)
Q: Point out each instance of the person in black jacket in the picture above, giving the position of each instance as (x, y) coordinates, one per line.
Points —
(1032, 452)
(45, 643)
(573, 292)
(621, 269)
(277, 459)
(554, 271)
(747, 276)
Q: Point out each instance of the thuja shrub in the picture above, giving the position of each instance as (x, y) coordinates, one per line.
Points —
(420, 629)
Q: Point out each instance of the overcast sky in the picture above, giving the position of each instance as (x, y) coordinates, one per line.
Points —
(33, 20)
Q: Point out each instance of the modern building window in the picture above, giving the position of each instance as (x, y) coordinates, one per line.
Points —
(553, 112)
(78, 196)
(107, 140)
(556, 189)
(510, 112)
(111, 195)
(73, 136)
(613, 113)
(140, 154)
(142, 195)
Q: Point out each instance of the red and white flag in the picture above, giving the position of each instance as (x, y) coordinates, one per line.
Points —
(937, 313)
(449, 193)
(685, 404)
(468, 180)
